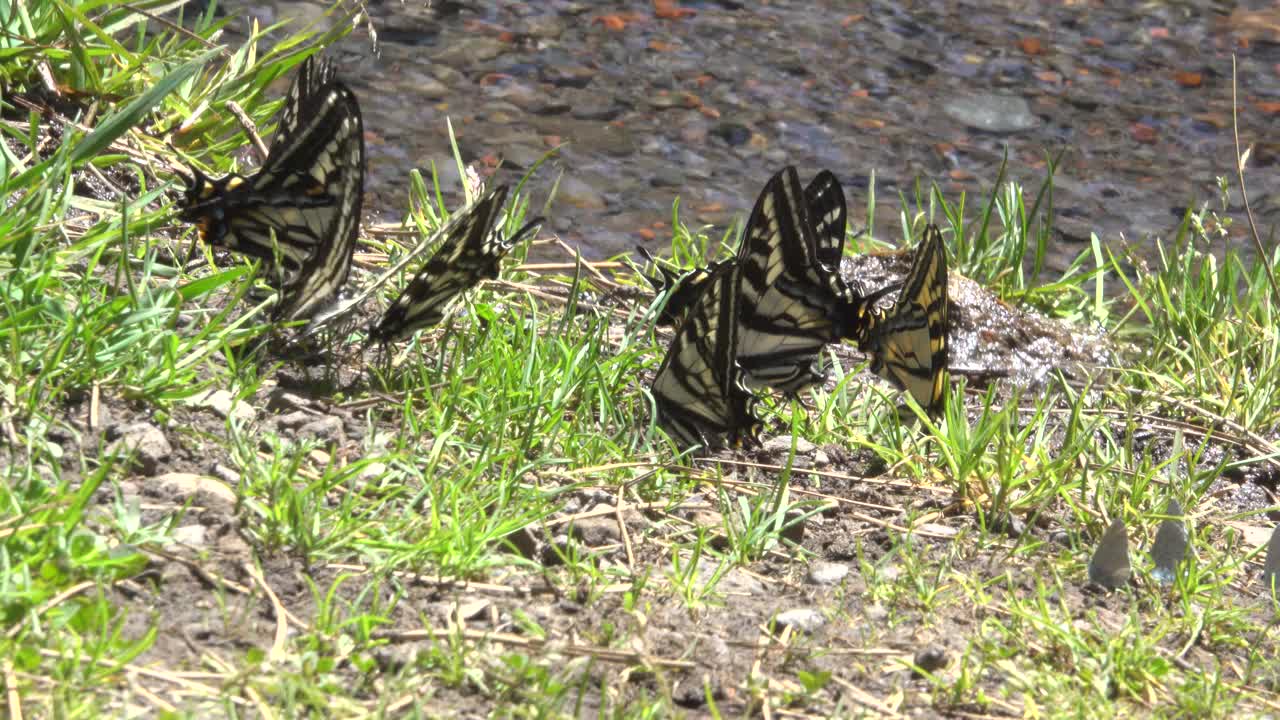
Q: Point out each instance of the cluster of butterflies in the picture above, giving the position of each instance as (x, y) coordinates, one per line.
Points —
(300, 214)
(759, 320)
(1109, 566)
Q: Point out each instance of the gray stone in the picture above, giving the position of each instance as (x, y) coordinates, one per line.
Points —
(191, 535)
(782, 444)
(802, 619)
(202, 490)
(470, 50)
(597, 531)
(827, 573)
(144, 443)
(225, 405)
(992, 112)
(325, 429)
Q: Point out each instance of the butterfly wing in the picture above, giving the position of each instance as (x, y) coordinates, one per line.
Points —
(824, 197)
(1109, 566)
(300, 213)
(698, 391)
(788, 299)
(908, 345)
(323, 161)
(682, 289)
(314, 74)
(467, 255)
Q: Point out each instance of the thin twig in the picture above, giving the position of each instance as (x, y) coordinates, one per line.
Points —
(249, 128)
(593, 651)
(1244, 195)
(11, 691)
(52, 603)
(282, 623)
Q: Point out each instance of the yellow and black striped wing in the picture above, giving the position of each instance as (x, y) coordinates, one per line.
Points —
(323, 158)
(825, 200)
(698, 391)
(301, 212)
(824, 197)
(788, 299)
(471, 252)
(681, 288)
(908, 344)
(314, 74)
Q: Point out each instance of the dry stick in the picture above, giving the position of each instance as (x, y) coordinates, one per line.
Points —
(1244, 195)
(174, 27)
(219, 581)
(545, 267)
(592, 651)
(249, 128)
(622, 529)
(116, 145)
(51, 603)
(145, 692)
(282, 622)
(11, 691)
(823, 474)
(865, 699)
(465, 585)
(6, 532)
(264, 710)
(174, 678)
(95, 407)
(657, 505)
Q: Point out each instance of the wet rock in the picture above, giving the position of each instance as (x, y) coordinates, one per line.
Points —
(930, 659)
(144, 443)
(578, 193)
(521, 157)
(734, 134)
(667, 176)
(827, 573)
(991, 112)
(546, 27)
(429, 88)
(470, 50)
(802, 619)
(199, 489)
(568, 75)
(588, 105)
(447, 75)
(521, 95)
